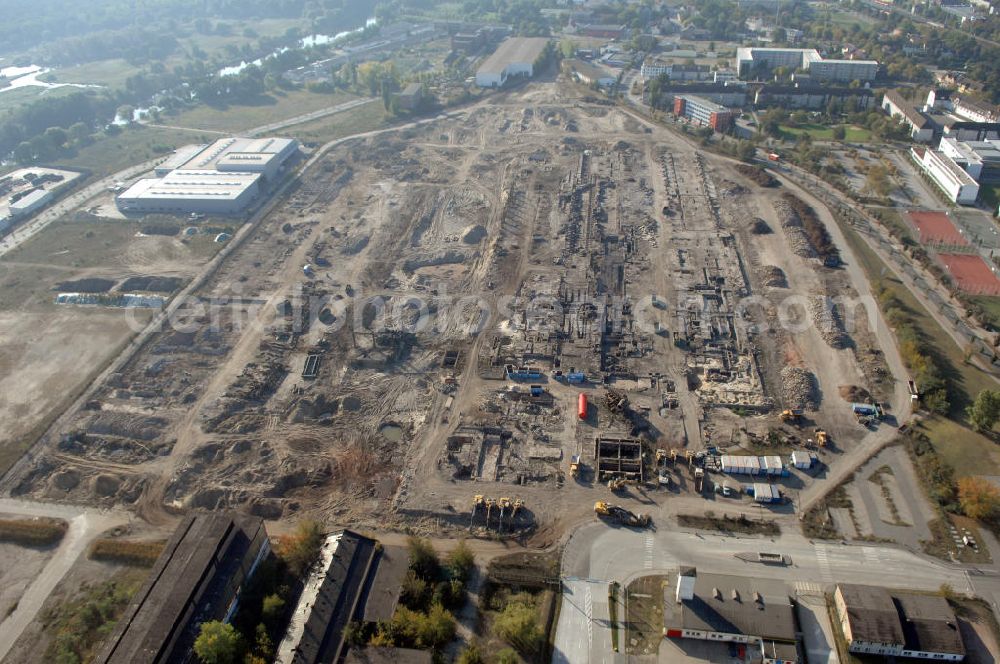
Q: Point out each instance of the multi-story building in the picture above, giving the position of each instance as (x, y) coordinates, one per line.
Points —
(980, 159)
(704, 112)
(813, 97)
(957, 185)
(921, 128)
(752, 62)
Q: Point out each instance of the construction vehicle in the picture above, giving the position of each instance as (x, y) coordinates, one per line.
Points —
(699, 479)
(821, 437)
(490, 504)
(574, 465)
(478, 502)
(505, 504)
(616, 483)
(690, 457)
(621, 515)
(661, 456)
(792, 415)
(673, 455)
(518, 506)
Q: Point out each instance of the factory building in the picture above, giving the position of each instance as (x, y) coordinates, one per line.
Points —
(751, 62)
(715, 607)
(223, 178)
(704, 112)
(198, 578)
(355, 579)
(516, 56)
(898, 624)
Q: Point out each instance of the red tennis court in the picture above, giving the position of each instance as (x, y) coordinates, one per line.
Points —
(936, 228)
(971, 273)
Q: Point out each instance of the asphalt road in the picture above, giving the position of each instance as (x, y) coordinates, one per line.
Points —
(597, 554)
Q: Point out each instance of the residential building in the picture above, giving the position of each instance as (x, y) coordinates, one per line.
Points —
(198, 578)
(753, 62)
(813, 97)
(735, 609)
(704, 112)
(731, 96)
(957, 185)
(516, 56)
(921, 128)
(844, 71)
(976, 111)
(223, 178)
(971, 131)
(898, 624)
(724, 76)
(653, 67)
(690, 72)
(602, 31)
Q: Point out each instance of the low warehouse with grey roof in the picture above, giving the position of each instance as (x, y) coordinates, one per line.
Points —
(223, 178)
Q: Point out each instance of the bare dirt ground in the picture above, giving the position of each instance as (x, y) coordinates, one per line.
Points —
(19, 565)
(48, 352)
(587, 241)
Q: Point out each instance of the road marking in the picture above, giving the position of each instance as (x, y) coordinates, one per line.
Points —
(588, 605)
(649, 551)
(822, 558)
(808, 588)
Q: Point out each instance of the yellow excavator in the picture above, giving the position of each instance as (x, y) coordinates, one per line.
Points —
(791, 415)
(621, 515)
(821, 437)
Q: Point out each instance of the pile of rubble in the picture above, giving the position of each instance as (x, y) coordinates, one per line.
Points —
(773, 276)
(799, 388)
(828, 322)
(796, 235)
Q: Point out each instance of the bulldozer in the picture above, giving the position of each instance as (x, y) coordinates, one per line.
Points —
(574, 465)
(518, 506)
(821, 437)
(621, 515)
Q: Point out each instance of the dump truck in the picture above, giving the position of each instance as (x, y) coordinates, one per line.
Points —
(699, 479)
(621, 515)
(574, 465)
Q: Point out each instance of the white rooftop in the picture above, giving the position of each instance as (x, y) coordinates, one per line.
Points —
(194, 184)
(220, 152)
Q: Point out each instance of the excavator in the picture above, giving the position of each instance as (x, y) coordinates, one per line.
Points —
(791, 415)
(616, 483)
(621, 515)
(821, 437)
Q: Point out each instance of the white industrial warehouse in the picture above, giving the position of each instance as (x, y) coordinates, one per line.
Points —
(516, 56)
(223, 178)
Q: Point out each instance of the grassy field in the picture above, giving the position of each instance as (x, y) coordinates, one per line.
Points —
(968, 452)
(853, 133)
(109, 73)
(76, 244)
(110, 154)
(274, 107)
(11, 98)
(357, 120)
(643, 625)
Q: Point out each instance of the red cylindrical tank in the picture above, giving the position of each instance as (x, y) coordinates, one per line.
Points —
(581, 407)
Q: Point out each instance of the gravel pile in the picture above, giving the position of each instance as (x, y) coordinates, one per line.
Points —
(773, 276)
(828, 322)
(800, 388)
(792, 224)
